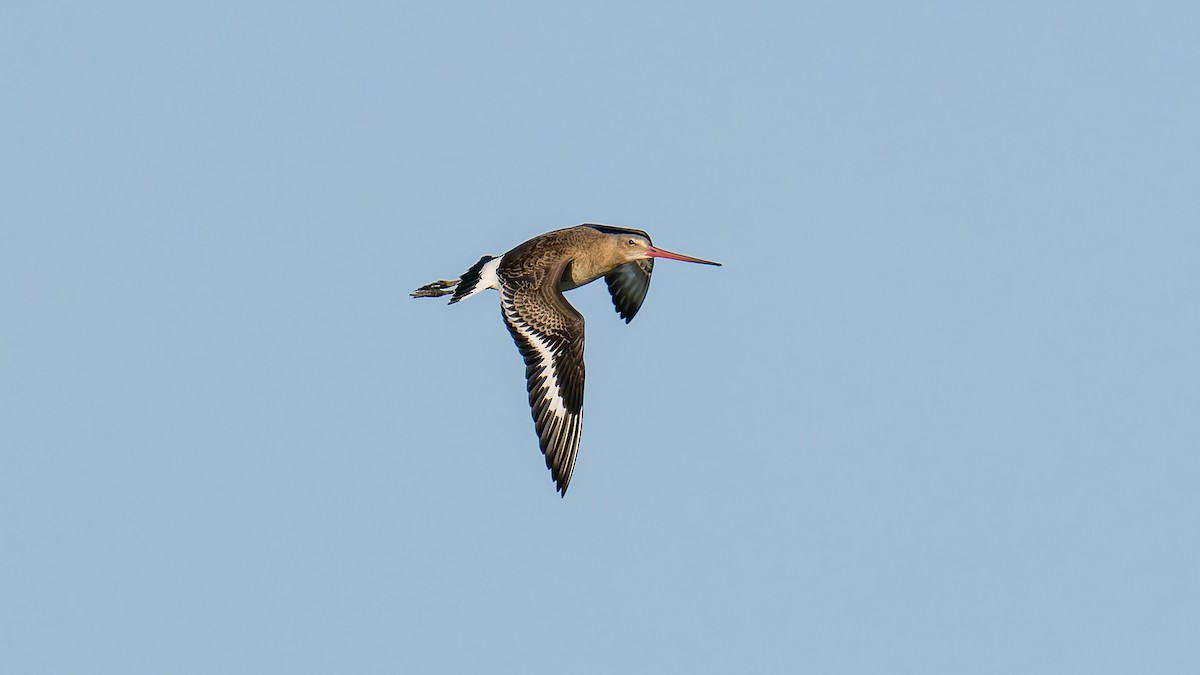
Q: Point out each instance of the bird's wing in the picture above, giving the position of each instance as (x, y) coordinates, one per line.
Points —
(613, 229)
(628, 285)
(549, 333)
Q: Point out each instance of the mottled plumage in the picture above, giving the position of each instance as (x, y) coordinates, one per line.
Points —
(548, 331)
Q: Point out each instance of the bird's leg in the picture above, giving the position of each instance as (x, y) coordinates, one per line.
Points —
(436, 289)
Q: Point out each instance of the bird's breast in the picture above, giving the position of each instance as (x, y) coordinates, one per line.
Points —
(576, 274)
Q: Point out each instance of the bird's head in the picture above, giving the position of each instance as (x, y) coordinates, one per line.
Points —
(637, 247)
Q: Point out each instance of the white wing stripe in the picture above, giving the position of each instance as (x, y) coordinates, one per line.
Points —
(548, 358)
(548, 380)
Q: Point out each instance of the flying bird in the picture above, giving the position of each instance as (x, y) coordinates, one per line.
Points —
(548, 331)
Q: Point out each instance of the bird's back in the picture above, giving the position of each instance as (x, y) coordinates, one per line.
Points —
(527, 264)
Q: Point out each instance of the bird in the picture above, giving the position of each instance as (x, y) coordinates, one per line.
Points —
(547, 330)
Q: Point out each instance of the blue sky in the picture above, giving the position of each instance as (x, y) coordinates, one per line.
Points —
(936, 414)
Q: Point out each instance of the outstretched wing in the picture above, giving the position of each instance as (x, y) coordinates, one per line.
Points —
(628, 285)
(549, 333)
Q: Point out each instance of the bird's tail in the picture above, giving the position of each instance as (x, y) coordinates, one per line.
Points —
(481, 275)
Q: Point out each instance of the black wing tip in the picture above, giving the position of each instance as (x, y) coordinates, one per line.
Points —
(614, 229)
(561, 483)
(622, 311)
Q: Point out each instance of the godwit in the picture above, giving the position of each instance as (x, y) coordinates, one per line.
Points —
(531, 279)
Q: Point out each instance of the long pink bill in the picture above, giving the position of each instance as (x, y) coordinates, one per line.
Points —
(655, 252)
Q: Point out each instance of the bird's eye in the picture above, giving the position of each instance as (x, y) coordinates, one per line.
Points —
(632, 242)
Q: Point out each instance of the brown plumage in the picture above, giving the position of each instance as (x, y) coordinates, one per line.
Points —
(548, 331)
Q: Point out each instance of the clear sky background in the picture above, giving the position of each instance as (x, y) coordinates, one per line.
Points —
(936, 414)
